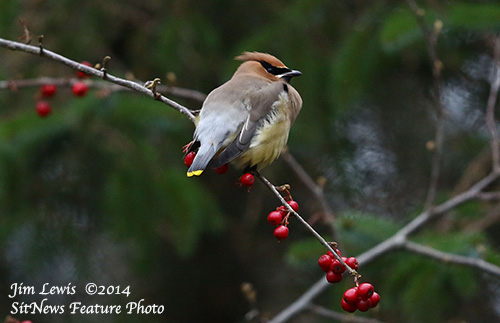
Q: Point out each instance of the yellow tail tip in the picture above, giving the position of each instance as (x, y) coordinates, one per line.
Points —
(195, 173)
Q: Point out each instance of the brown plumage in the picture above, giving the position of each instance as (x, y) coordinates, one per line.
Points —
(246, 120)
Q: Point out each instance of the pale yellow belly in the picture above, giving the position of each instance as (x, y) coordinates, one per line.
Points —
(266, 146)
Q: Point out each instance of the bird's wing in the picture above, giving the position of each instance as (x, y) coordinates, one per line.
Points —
(261, 102)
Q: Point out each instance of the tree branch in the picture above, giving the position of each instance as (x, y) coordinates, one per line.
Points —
(307, 225)
(446, 257)
(490, 107)
(489, 196)
(396, 241)
(431, 37)
(320, 310)
(92, 71)
(96, 84)
(308, 182)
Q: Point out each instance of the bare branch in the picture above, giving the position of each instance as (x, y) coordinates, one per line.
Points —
(307, 225)
(489, 196)
(477, 263)
(471, 193)
(316, 189)
(92, 71)
(320, 310)
(301, 303)
(490, 107)
(431, 37)
(394, 242)
(98, 84)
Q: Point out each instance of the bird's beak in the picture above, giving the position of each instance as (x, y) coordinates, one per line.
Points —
(290, 74)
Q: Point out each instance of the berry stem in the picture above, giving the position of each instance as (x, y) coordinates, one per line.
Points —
(307, 225)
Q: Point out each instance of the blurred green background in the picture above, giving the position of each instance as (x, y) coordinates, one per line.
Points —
(97, 191)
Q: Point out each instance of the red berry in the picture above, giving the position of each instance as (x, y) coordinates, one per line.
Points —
(331, 253)
(374, 299)
(48, 90)
(294, 205)
(188, 159)
(222, 169)
(337, 267)
(363, 305)
(43, 108)
(274, 218)
(80, 89)
(325, 262)
(283, 210)
(365, 290)
(333, 278)
(281, 232)
(348, 307)
(247, 179)
(82, 75)
(351, 296)
(352, 262)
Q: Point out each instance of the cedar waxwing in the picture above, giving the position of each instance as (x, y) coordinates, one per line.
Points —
(246, 120)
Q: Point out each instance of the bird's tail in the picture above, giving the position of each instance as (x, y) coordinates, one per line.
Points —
(201, 160)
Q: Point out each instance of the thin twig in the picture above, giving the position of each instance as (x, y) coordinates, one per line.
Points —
(490, 107)
(489, 196)
(320, 310)
(304, 222)
(316, 189)
(98, 84)
(92, 71)
(431, 37)
(451, 258)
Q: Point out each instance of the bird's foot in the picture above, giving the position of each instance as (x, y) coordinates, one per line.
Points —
(186, 147)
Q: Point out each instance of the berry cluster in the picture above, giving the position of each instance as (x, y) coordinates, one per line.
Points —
(362, 297)
(80, 89)
(333, 267)
(279, 218)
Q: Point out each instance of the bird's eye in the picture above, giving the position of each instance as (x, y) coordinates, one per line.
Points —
(273, 69)
(269, 68)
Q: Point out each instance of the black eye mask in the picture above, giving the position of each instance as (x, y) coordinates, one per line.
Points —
(273, 69)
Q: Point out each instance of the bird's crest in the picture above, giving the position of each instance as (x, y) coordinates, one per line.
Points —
(260, 57)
